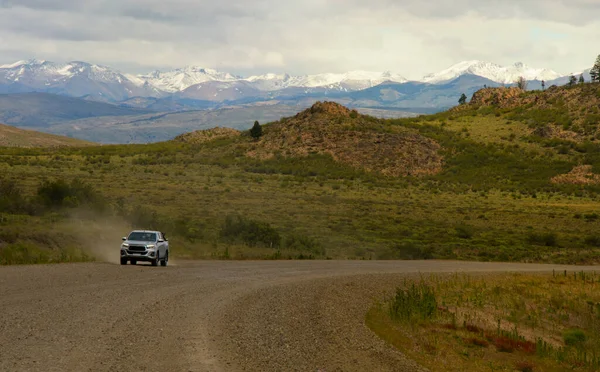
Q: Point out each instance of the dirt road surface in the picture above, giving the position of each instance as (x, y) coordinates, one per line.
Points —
(205, 316)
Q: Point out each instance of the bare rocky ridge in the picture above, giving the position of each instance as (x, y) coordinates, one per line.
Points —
(351, 138)
(206, 316)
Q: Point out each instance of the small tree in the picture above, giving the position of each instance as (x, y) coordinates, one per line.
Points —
(521, 83)
(581, 79)
(256, 131)
(543, 85)
(572, 81)
(595, 71)
(462, 100)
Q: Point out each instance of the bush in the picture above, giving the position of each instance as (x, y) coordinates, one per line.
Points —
(59, 193)
(464, 231)
(592, 240)
(544, 239)
(143, 218)
(411, 251)
(477, 342)
(303, 243)
(574, 337)
(525, 366)
(11, 198)
(250, 232)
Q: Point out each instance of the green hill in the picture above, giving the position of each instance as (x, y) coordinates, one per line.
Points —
(499, 178)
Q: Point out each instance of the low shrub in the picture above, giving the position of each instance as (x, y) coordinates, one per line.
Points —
(525, 366)
(303, 243)
(59, 193)
(411, 251)
(544, 239)
(477, 342)
(250, 232)
(505, 344)
(464, 231)
(473, 328)
(592, 240)
(11, 197)
(574, 337)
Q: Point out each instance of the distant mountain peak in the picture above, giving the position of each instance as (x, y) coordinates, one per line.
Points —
(182, 78)
(491, 71)
(30, 62)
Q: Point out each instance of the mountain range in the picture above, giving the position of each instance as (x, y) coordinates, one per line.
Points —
(204, 87)
(100, 104)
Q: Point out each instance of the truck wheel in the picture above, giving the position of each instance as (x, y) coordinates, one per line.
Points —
(165, 260)
(133, 262)
(123, 261)
(155, 261)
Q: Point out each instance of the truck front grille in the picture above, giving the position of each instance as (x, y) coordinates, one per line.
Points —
(137, 248)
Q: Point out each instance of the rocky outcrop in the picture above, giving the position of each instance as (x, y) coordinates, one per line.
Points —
(580, 175)
(350, 138)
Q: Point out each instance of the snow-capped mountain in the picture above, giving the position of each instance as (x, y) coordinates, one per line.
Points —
(199, 87)
(350, 81)
(78, 79)
(491, 71)
(183, 78)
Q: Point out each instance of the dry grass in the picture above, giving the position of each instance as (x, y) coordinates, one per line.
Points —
(14, 137)
(531, 322)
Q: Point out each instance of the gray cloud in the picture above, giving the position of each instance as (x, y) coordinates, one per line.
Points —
(412, 37)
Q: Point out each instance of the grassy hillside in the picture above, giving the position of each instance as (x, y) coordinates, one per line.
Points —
(320, 185)
(14, 137)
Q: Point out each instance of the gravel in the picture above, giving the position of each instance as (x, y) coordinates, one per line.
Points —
(205, 316)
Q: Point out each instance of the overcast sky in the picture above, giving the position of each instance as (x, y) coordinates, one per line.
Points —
(410, 37)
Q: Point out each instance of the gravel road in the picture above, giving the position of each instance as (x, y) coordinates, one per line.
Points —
(205, 316)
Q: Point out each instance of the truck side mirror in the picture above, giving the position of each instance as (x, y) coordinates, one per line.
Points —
(124, 238)
(161, 240)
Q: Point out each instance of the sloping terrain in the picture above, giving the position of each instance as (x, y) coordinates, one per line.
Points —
(163, 126)
(41, 110)
(479, 182)
(575, 108)
(14, 137)
(203, 136)
(350, 138)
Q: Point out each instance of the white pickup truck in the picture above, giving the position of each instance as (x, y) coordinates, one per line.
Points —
(144, 245)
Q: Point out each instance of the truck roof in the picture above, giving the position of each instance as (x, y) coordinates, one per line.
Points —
(146, 231)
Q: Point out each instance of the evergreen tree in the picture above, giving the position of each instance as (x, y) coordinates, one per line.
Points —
(462, 100)
(572, 81)
(595, 71)
(581, 79)
(543, 85)
(256, 130)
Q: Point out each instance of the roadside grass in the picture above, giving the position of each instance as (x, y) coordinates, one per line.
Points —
(502, 322)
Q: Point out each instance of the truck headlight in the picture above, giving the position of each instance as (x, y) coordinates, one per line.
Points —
(125, 245)
(150, 246)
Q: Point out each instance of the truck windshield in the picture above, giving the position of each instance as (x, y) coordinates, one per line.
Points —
(142, 236)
